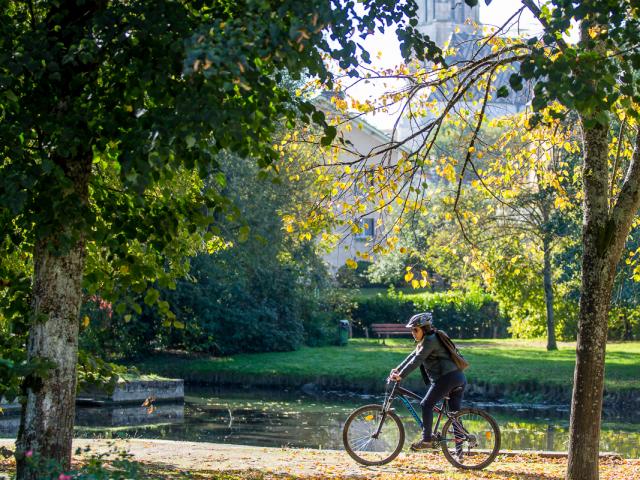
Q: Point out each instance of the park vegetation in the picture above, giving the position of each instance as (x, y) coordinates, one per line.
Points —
(170, 188)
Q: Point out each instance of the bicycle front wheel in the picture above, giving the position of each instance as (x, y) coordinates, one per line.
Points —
(470, 439)
(362, 443)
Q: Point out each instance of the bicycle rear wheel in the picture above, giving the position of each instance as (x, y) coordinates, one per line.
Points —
(358, 436)
(471, 439)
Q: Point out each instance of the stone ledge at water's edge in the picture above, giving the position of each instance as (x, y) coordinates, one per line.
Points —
(138, 390)
(130, 391)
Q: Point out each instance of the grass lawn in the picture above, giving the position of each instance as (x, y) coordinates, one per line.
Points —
(500, 362)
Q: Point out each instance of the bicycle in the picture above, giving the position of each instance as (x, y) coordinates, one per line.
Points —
(374, 434)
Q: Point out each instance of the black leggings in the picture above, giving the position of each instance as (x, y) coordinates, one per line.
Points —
(437, 392)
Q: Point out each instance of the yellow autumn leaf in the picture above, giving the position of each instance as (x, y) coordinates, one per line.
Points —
(351, 263)
(408, 277)
(85, 321)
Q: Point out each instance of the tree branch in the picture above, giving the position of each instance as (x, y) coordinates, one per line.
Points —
(617, 160)
(533, 8)
(628, 201)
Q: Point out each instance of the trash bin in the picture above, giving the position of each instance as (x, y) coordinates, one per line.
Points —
(343, 332)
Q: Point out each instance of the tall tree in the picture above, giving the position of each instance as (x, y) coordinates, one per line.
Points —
(151, 87)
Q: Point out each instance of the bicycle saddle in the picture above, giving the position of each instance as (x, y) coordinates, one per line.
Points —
(453, 390)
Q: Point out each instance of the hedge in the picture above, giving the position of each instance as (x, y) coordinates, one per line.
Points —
(460, 314)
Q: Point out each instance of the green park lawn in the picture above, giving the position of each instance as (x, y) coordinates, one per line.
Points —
(499, 362)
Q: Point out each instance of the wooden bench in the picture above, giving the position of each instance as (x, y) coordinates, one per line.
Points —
(387, 329)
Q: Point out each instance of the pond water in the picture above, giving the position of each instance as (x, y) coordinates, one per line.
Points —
(291, 418)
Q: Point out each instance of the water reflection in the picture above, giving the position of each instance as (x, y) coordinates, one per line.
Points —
(124, 416)
(290, 418)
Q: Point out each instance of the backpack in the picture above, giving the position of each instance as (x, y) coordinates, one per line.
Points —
(455, 354)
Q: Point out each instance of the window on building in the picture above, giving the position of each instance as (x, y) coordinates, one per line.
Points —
(367, 226)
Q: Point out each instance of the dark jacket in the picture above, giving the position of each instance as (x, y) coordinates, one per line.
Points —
(432, 356)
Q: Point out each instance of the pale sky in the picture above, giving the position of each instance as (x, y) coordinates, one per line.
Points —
(495, 14)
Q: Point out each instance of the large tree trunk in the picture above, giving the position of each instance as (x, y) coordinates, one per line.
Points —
(588, 381)
(604, 235)
(46, 425)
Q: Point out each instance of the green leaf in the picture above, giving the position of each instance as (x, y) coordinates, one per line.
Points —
(515, 80)
(502, 92)
(11, 96)
(243, 234)
(152, 296)
(329, 134)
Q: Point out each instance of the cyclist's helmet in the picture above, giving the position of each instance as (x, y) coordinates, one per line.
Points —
(420, 320)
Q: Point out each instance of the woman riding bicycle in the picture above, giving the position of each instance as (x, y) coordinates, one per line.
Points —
(438, 370)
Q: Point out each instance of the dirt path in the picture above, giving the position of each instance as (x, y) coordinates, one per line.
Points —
(322, 464)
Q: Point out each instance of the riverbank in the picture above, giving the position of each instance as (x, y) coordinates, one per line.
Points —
(166, 459)
(501, 370)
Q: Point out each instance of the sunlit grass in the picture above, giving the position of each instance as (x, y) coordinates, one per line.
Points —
(501, 362)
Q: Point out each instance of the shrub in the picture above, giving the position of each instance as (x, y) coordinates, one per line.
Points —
(320, 315)
(230, 307)
(461, 314)
(380, 309)
(472, 314)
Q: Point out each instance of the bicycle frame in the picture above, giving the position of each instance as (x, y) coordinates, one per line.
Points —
(402, 393)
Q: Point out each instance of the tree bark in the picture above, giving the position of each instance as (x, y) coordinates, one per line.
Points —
(597, 281)
(46, 426)
(48, 413)
(604, 236)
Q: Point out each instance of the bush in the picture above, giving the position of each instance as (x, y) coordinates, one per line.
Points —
(471, 314)
(254, 292)
(461, 314)
(112, 465)
(380, 309)
(230, 308)
(320, 315)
